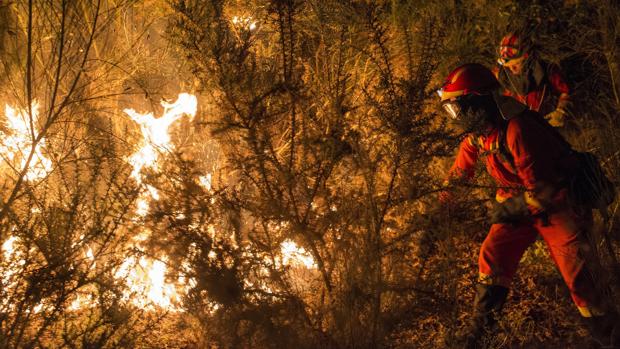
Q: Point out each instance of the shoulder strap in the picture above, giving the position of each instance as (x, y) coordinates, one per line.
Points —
(503, 148)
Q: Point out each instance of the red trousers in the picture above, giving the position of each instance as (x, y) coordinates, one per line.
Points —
(505, 244)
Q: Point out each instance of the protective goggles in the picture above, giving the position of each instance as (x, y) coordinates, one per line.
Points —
(452, 107)
(511, 56)
(449, 102)
(455, 106)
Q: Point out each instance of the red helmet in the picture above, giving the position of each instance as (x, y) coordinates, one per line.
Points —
(467, 79)
(463, 83)
(511, 49)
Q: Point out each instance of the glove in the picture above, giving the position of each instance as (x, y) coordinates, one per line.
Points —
(511, 211)
(556, 117)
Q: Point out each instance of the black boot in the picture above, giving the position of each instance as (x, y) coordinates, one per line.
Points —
(488, 304)
(605, 330)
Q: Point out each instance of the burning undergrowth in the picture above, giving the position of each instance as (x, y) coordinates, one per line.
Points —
(122, 244)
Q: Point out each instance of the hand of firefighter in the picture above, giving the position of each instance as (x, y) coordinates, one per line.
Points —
(556, 117)
(511, 211)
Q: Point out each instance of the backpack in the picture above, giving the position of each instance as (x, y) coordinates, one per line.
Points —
(588, 185)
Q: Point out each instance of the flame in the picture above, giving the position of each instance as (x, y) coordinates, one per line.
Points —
(142, 206)
(293, 255)
(17, 144)
(11, 266)
(145, 277)
(8, 247)
(205, 181)
(147, 285)
(89, 254)
(156, 138)
(160, 292)
(244, 22)
(155, 131)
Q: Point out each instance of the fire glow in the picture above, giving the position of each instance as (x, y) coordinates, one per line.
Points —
(293, 255)
(155, 131)
(143, 276)
(244, 22)
(18, 143)
(147, 286)
(156, 139)
(146, 277)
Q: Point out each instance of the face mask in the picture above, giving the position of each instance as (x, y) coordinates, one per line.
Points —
(467, 112)
(471, 120)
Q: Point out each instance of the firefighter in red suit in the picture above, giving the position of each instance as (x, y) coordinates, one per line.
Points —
(532, 81)
(530, 162)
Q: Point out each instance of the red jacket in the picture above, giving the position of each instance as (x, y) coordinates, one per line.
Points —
(547, 84)
(540, 157)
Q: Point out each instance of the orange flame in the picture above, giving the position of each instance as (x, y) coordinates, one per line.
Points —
(155, 131)
(293, 255)
(244, 22)
(17, 145)
(146, 277)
